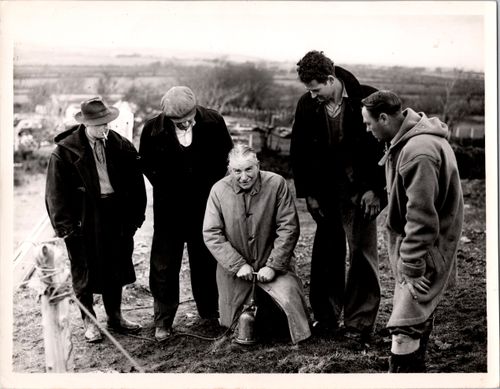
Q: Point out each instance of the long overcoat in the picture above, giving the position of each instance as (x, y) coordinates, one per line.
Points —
(72, 196)
(262, 232)
(424, 214)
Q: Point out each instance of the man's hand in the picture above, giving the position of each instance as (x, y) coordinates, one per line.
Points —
(370, 203)
(314, 208)
(245, 272)
(420, 284)
(265, 274)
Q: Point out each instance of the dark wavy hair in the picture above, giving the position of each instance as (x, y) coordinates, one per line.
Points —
(382, 101)
(315, 66)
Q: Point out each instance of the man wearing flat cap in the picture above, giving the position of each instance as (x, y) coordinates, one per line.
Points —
(96, 200)
(183, 152)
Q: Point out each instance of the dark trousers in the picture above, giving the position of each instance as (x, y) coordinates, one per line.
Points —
(358, 294)
(111, 298)
(166, 260)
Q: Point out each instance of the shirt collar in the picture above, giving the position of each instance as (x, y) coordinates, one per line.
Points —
(93, 139)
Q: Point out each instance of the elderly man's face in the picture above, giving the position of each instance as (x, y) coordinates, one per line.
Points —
(245, 170)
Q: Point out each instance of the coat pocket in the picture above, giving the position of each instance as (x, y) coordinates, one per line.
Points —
(435, 263)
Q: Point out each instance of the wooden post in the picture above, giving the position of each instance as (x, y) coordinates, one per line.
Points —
(55, 313)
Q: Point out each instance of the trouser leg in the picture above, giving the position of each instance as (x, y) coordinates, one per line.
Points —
(328, 270)
(112, 300)
(86, 298)
(362, 294)
(166, 259)
(203, 280)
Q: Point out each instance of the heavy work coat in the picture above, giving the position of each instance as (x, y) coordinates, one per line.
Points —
(424, 214)
(72, 196)
(264, 234)
(316, 168)
(180, 191)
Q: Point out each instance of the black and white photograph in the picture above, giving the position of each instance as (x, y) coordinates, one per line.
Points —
(249, 194)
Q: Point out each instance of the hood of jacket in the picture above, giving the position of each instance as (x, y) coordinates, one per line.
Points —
(415, 124)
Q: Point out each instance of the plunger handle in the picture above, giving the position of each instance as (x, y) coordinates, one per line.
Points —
(254, 279)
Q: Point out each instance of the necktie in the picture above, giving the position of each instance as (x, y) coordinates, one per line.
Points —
(99, 150)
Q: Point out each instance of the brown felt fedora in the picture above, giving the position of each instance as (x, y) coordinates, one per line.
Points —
(94, 112)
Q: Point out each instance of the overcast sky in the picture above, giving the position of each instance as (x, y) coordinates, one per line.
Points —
(446, 34)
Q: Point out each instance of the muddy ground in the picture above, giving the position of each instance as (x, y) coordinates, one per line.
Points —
(458, 343)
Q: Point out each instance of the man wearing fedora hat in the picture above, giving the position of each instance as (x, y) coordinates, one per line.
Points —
(96, 200)
(183, 152)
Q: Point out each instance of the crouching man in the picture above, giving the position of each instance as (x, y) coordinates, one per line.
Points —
(251, 226)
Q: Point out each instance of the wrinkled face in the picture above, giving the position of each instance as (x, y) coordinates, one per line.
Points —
(99, 131)
(378, 127)
(245, 171)
(321, 91)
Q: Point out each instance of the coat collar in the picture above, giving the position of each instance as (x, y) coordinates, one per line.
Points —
(75, 140)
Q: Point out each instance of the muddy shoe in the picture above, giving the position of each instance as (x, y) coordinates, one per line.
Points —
(92, 333)
(123, 325)
(162, 333)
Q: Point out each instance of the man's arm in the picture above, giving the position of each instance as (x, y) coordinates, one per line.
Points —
(287, 230)
(58, 198)
(146, 151)
(215, 237)
(420, 178)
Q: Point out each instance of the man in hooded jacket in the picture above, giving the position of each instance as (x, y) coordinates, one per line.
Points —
(424, 220)
(96, 200)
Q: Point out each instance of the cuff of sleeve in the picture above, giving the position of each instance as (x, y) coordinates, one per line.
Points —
(412, 269)
(275, 266)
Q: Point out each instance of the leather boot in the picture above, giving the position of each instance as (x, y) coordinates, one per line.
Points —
(407, 363)
(112, 304)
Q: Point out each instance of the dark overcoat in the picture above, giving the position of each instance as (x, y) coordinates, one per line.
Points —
(315, 167)
(182, 179)
(72, 198)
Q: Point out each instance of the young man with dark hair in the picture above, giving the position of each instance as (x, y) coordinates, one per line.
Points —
(334, 162)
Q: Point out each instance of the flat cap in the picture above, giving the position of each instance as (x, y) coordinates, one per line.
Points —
(178, 103)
